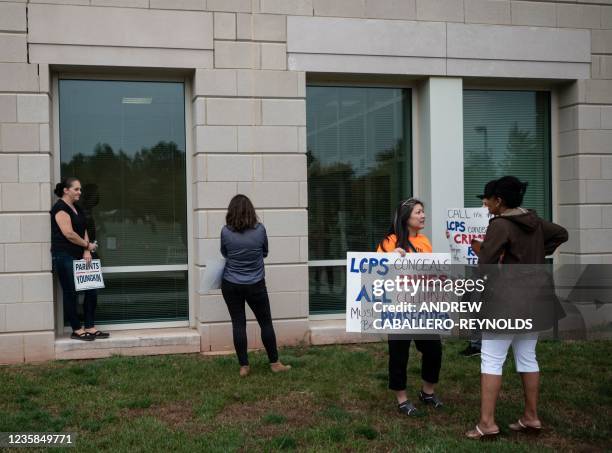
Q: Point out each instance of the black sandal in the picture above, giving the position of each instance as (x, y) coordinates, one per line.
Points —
(85, 336)
(407, 408)
(100, 334)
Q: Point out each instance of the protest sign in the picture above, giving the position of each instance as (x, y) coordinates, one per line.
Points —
(386, 293)
(213, 275)
(87, 276)
(463, 225)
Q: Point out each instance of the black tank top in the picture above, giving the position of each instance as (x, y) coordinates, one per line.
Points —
(59, 243)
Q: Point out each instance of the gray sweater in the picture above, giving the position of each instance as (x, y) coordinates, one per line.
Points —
(244, 253)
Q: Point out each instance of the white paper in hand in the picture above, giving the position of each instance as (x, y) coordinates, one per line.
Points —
(213, 274)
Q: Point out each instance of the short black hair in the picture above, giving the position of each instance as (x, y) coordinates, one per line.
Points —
(511, 190)
(489, 190)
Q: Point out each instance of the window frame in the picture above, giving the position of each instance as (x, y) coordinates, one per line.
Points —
(119, 75)
(553, 91)
(414, 143)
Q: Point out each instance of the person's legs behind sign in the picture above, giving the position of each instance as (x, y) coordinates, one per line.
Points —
(90, 303)
(431, 362)
(399, 352)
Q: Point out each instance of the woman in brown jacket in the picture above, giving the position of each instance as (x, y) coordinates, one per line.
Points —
(515, 236)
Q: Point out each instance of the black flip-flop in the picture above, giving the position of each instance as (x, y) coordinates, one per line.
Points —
(99, 334)
(85, 336)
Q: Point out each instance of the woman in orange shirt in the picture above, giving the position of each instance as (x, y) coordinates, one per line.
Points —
(404, 237)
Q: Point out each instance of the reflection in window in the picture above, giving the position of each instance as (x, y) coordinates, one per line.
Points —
(359, 167)
(507, 133)
(145, 296)
(125, 141)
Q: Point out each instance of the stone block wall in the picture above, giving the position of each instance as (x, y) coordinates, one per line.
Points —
(26, 289)
(250, 138)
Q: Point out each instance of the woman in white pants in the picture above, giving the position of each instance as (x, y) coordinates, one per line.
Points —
(515, 236)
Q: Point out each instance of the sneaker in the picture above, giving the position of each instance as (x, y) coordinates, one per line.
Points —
(470, 351)
(430, 399)
(409, 409)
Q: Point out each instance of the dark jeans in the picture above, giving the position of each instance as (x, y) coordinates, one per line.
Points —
(431, 361)
(62, 265)
(256, 295)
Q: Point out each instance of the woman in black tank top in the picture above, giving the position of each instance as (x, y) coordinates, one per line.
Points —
(69, 242)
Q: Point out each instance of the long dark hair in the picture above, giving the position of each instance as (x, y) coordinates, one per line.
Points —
(241, 214)
(65, 183)
(399, 223)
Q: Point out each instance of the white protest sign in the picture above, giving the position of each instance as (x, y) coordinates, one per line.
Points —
(87, 276)
(463, 225)
(212, 275)
(388, 293)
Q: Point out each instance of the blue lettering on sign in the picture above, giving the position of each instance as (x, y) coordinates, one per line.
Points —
(471, 252)
(365, 295)
(367, 265)
(455, 226)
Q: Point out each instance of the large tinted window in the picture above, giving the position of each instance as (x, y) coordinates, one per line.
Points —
(125, 141)
(507, 133)
(359, 167)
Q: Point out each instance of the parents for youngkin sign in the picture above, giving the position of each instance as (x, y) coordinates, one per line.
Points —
(87, 275)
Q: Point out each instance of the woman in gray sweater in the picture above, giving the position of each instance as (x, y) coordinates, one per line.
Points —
(244, 244)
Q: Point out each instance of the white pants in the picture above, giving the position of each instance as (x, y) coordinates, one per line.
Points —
(495, 348)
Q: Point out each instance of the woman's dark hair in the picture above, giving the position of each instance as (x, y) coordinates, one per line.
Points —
(511, 190)
(400, 221)
(241, 214)
(65, 183)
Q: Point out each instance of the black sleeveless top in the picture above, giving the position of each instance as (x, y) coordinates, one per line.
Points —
(59, 243)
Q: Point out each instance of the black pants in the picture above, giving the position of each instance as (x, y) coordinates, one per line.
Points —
(256, 295)
(62, 264)
(431, 361)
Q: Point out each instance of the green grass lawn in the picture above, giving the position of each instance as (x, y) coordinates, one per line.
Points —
(335, 398)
